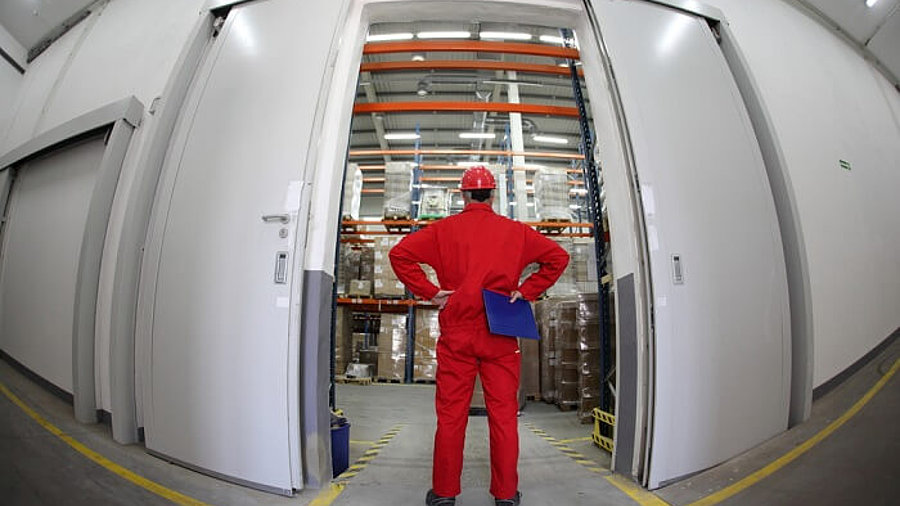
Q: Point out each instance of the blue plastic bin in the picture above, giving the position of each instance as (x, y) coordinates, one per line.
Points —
(340, 448)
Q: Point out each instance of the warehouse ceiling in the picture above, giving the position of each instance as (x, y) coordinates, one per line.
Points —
(426, 85)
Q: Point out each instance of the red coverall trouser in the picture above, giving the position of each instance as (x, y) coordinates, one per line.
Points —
(497, 360)
(470, 251)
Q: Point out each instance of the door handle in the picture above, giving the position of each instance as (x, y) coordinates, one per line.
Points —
(283, 218)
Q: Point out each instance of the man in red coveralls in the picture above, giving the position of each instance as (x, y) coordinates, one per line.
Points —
(470, 251)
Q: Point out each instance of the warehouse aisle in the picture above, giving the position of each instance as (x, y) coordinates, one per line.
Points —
(401, 471)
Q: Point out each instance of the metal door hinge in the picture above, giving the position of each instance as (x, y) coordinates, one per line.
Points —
(218, 23)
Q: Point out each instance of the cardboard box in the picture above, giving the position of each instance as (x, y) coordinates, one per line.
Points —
(530, 376)
(360, 288)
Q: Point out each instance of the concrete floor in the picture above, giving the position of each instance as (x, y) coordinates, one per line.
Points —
(855, 465)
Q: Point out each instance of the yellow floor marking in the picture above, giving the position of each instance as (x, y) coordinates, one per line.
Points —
(328, 495)
(354, 442)
(156, 488)
(575, 440)
(635, 492)
(792, 455)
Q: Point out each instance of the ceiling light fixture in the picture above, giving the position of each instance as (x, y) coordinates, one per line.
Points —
(469, 164)
(505, 35)
(477, 135)
(549, 139)
(418, 57)
(443, 35)
(402, 136)
(870, 3)
(389, 36)
(552, 39)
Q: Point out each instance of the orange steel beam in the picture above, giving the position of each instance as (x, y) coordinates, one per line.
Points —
(388, 107)
(471, 46)
(371, 167)
(533, 68)
(461, 152)
(373, 180)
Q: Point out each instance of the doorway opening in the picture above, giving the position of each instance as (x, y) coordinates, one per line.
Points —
(434, 98)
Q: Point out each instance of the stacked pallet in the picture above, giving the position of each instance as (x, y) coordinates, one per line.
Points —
(428, 331)
(392, 338)
(385, 283)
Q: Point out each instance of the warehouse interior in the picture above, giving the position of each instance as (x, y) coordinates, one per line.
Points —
(196, 303)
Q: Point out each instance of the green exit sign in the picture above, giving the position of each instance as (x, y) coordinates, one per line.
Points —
(845, 164)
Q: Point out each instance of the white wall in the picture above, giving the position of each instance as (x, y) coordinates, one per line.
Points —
(10, 84)
(127, 47)
(10, 78)
(827, 104)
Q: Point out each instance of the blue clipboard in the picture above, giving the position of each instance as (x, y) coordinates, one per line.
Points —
(515, 319)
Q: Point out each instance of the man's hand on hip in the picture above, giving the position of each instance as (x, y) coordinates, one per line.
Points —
(516, 295)
(440, 300)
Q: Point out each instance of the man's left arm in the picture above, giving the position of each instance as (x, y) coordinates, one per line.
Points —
(417, 248)
(552, 259)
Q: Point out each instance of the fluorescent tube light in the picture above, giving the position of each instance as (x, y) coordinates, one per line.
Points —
(476, 135)
(870, 3)
(552, 39)
(548, 139)
(443, 35)
(505, 35)
(389, 36)
(402, 136)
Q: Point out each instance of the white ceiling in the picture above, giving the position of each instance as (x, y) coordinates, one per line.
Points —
(29, 21)
(877, 28)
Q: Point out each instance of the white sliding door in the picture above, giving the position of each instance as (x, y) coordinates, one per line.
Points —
(42, 243)
(721, 363)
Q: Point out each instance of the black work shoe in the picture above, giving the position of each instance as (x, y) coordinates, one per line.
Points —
(431, 499)
(516, 499)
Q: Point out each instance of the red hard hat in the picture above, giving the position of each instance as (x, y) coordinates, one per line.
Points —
(477, 178)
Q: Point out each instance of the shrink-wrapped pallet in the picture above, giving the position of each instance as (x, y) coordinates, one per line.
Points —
(551, 195)
(367, 263)
(392, 338)
(565, 286)
(352, 192)
(589, 350)
(584, 261)
(397, 190)
(546, 320)
(349, 268)
(428, 330)
(343, 351)
(531, 368)
(385, 283)
(567, 358)
(501, 200)
(435, 203)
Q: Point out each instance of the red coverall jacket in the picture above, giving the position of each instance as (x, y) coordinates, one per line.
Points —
(473, 250)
